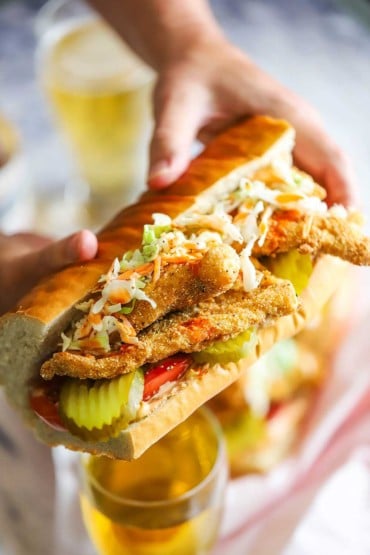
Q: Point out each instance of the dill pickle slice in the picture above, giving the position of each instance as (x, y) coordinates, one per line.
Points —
(292, 265)
(100, 409)
(230, 350)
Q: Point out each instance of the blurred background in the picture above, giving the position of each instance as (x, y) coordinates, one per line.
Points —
(319, 48)
(70, 158)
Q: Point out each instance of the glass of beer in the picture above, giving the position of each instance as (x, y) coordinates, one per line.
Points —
(99, 92)
(167, 502)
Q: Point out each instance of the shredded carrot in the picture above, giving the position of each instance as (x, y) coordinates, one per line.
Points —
(240, 216)
(122, 296)
(90, 344)
(191, 246)
(143, 270)
(157, 269)
(285, 198)
(263, 227)
(84, 330)
(182, 259)
(247, 205)
(94, 318)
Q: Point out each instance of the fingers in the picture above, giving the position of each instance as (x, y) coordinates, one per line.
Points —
(199, 100)
(340, 181)
(26, 270)
(316, 152)
(178, 116)
(79, 247)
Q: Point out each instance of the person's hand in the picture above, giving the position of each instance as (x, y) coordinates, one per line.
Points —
(213, 84)
(205, 84)
(25, 258)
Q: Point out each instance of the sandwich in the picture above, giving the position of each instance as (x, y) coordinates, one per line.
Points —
(189, 288)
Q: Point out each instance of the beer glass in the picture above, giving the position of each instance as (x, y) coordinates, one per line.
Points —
(99, 92)
(167, 502)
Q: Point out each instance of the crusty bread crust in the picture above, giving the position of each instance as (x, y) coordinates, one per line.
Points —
(30, 333)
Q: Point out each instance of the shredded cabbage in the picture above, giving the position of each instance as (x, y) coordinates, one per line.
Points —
(250, 278)
(131, 260)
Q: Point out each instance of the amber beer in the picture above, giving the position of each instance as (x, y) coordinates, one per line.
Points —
(100, 94)
(168, 502)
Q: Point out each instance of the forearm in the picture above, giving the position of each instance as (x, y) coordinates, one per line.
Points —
(159, 30)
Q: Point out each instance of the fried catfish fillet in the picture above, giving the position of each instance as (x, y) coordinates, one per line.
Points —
(182, 285)
(339, 237)
(189, 331)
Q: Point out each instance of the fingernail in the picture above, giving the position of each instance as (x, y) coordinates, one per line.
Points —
(82, 246)
(88, 245)
(159, 169)
(164, 173)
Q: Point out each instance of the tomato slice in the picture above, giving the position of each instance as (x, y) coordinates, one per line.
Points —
(168, 370)
(44, 397)
(43, 401)
(274, 409)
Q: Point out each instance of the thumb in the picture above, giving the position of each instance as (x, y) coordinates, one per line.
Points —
(39, 263)
(23, 271)
(79, 247)
(178, 110)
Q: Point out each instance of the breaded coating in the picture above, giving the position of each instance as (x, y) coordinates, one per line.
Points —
(182, 285)
(315, 234)
(218, 319)
(189, 331)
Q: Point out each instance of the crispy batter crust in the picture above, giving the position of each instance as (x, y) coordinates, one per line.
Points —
(325, 234)
(189, 331)
(183, 285)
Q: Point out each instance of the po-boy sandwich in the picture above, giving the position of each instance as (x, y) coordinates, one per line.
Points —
(189, 288)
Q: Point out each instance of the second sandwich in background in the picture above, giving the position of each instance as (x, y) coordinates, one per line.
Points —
(264, 413)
